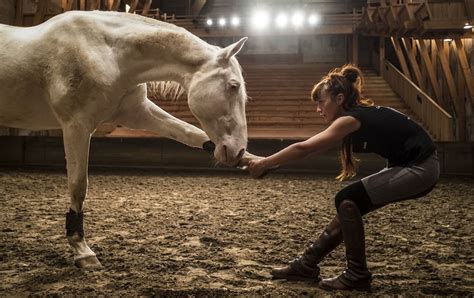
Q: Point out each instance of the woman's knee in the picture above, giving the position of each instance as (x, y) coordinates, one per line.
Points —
(356, 196)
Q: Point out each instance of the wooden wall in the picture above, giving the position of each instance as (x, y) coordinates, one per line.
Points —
(7, 11)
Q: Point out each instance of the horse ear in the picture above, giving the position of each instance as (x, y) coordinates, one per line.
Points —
(232, 50)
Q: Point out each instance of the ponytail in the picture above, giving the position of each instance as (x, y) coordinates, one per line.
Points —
(349, 81)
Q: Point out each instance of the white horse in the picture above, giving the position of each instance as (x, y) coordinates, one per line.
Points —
(80, 69)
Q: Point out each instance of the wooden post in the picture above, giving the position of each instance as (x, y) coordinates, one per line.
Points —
(430, 69)
(411, 52)
(465, 68)
(381, 54)
(82, 5)
(67, 5)
(443, 58)
(19, 13)
(94, 5)
(146, 7)
(115, 5)
(355, 48)
(133, 6)
(401, 58)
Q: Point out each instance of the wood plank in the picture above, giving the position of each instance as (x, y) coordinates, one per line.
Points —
(133, 6)
(67, 5)
(94, 4)
(465, 68)
(146, 7)
(445, 24)
(430, 69)
(115, 5)
(411, 53)
(82, 5)
(443, 58)
(392, 17)
(401, 57)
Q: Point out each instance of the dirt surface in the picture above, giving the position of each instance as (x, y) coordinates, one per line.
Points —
(213, 234)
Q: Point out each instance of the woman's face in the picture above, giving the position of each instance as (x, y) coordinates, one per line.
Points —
(329, 108)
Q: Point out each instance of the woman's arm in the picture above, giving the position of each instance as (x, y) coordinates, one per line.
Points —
(321, 142)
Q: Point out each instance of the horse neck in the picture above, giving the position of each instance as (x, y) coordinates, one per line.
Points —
(165, 53)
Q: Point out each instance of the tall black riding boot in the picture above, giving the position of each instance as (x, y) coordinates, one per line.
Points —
(356, 276)
(306, 266)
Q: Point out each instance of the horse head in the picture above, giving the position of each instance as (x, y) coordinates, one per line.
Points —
(217, 97)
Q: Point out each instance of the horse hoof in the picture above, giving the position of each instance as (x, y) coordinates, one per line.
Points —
(88, 263)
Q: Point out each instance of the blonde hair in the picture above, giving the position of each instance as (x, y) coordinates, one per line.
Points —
(349, 81)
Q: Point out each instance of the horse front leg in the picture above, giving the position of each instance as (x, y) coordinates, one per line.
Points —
(76, 144)
(138, 112)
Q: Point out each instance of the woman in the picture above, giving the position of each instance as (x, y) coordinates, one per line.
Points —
(411, 172)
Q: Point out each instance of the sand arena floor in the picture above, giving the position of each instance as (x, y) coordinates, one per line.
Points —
(212, 234)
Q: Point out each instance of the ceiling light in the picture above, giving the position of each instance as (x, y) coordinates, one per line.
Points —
(209, 22)
(260, 19)
(235, 21)
(222, 22)
(313, 19)
(281, 20)
(297, 19)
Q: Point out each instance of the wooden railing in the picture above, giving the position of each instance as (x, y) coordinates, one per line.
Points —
(436, 120)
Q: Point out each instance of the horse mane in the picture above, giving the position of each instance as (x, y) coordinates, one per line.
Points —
(165, 90)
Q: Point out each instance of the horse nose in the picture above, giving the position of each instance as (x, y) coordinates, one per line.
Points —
(228, 153)
(241, 153)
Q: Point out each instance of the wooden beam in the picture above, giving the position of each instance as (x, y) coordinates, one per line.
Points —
(443, 59)
(115, 5)
(465, 68)
(430, 69)
(94, 5)
(146, 7)
(197, 7)
(133, 6)
(457, 101)
(392, 17)
(445, 24)
(434, 56)
(67, 5)
(401, 57)
(406, 16)
(411, 53)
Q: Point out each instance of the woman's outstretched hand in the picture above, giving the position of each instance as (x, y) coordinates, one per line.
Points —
(257, 168)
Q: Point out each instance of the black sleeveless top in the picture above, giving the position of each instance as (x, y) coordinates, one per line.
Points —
(390, 134)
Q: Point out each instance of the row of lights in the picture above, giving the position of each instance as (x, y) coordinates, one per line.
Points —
(262, 20)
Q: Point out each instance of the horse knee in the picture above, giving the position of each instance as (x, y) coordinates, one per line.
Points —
(78, 189)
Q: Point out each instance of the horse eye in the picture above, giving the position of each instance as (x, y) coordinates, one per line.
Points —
(233, 85)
